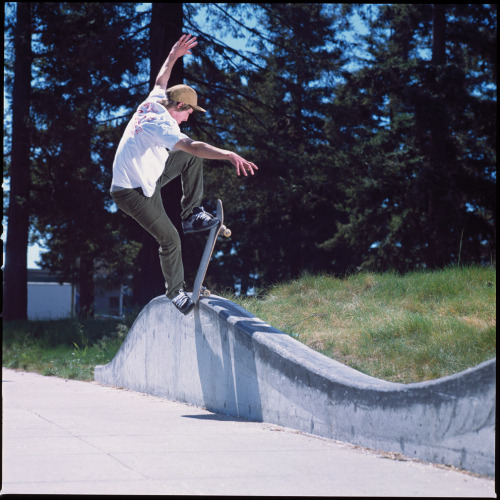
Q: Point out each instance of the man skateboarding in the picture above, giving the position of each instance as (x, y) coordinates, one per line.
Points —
(151, 153)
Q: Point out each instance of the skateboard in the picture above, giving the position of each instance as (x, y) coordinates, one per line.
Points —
(198, 288)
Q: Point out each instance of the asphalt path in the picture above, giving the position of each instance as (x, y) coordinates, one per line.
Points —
(69, 437)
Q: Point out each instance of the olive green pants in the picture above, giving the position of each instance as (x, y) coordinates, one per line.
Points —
(151, 215)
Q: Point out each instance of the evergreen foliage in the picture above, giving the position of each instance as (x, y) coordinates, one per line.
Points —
(376, 145)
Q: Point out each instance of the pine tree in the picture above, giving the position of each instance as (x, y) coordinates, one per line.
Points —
(86, 66)
(413, 122)
(16, 274)
(271, 107)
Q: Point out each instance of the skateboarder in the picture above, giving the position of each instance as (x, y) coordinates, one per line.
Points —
(151, 153)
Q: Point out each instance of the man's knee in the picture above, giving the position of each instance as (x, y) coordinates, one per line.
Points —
(182, 157)
(170, 245)
(193, 162)
(197, 160)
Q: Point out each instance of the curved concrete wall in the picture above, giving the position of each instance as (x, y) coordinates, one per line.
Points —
(223, 358)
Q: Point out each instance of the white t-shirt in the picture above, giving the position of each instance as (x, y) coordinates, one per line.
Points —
(141, 154)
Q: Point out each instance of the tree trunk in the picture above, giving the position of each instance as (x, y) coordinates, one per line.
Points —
(16, 267)
(438, 34)
(87, 291)
(438, 130)
(166, 29)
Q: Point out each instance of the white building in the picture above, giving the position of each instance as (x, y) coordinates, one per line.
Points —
(49, 299)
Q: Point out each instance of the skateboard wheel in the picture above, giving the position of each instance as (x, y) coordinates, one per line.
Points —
(206, 293)
(225, 231)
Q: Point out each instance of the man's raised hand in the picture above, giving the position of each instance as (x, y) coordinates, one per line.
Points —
(183, 46)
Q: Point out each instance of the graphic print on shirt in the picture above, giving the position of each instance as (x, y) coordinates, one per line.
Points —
(144, 109)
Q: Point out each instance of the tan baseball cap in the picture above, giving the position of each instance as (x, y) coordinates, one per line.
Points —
(184, 93)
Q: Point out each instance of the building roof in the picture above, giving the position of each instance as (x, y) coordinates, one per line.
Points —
(43, 276)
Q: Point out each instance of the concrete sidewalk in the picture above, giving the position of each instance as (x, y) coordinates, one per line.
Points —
(69, 437)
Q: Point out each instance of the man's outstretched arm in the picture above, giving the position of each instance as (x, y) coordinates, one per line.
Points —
(204, 150)
(182, 47)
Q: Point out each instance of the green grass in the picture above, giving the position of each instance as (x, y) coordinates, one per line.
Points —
(402, 328)
(64, 348)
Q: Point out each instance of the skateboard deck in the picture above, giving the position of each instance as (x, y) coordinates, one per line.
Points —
(207, 254)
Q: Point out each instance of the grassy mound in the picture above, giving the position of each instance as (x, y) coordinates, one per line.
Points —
(403, 328)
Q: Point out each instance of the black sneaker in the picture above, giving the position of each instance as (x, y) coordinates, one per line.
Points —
(198, 221)
(182, 302)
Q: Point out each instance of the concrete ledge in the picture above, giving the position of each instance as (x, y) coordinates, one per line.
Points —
(224, 359)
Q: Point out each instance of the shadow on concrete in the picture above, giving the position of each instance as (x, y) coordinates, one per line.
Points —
(218, 417)
(226, 365)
